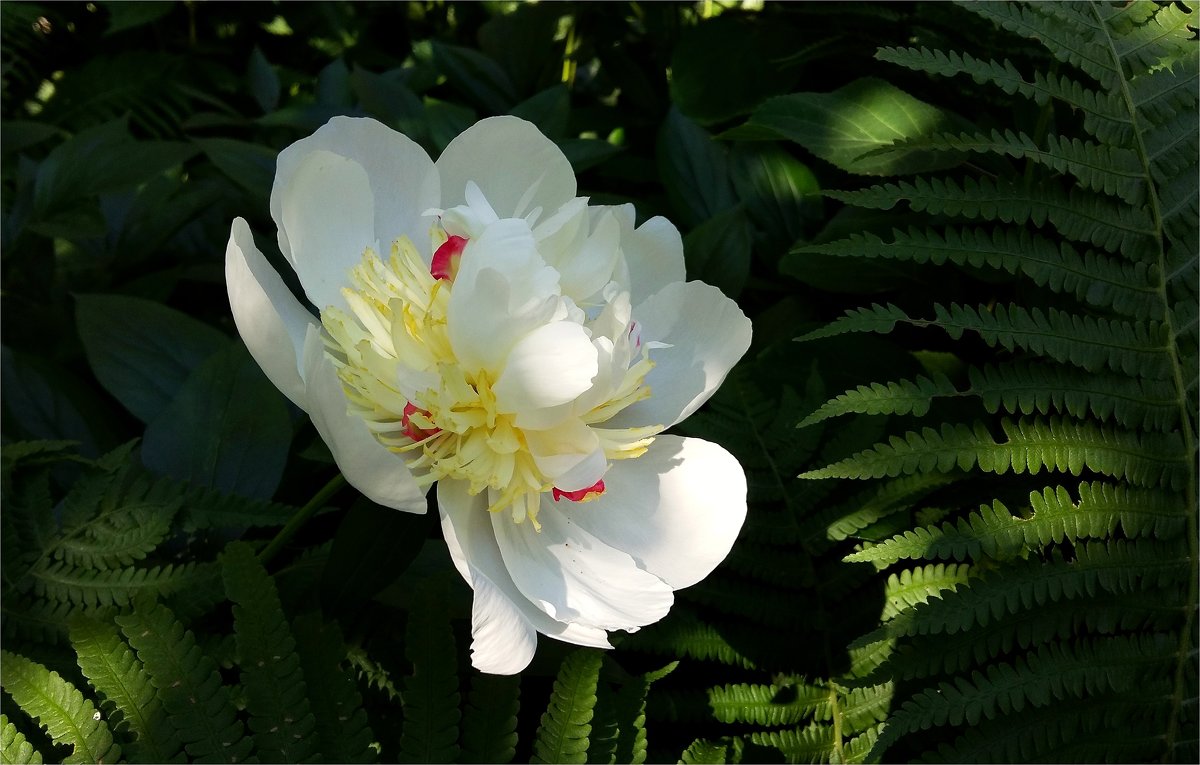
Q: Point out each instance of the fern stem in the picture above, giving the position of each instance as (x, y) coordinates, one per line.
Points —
(1185, 634)
(301, 517)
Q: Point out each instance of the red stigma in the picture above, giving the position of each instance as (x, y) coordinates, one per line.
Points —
(595, 490)
(445, 258)
(410, 428)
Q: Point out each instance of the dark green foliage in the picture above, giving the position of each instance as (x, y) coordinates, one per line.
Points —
(430, 693)
(563, 735)
(489, 731)
(1062, 606)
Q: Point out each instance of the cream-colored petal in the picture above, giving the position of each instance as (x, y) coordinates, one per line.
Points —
(269, 318)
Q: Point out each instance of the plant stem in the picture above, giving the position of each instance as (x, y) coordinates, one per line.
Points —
(301, 517)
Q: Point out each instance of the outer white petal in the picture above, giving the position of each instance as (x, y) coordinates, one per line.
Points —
(676, 509)
(328, 210)
(369, 467)
(707, 333)
(575, 577)
(269, 318)
(508, 158)
(502, 620)
(653, 252)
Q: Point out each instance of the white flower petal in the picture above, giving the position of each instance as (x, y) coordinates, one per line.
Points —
(569, 455)
(269, 318)
(369, 467)
(354, 183)
(507, 157)
(550, 366)
(653, 252)
(502, 292)
(707, 334)
(591, 266)
(574, 577)
(502, 620)
(676, 509)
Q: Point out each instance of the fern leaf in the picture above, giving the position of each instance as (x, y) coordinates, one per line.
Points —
(1115, 567)
(13, 746)
(188, 685)
(1033, 445)
(864, 706)
(1064, 42)
(859, 748)
(1054, 672)
(60, 709)
(342, 727)
(879, 502)
(565, 728)
(1096, 279)
(119, 677)
(1078, 215)
(430, 693)
(811, 744)
(785, 704)
(116, 539)
(276, 694)
(87, 587)
(1103, 168)
(901, 397)
(993, 531)
(916, 586)
(683, 634)
(704, 752)
(490, 725)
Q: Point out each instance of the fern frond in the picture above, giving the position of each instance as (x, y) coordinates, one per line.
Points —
(119, 677)
(1078, 215)
(1115, 567)
(1021, 388)
(90, 587)
(916, 586)
(1146, 459)
(879, 502)
(1112, 170)
(188, 684)
(1096, 279)
(1159, 99)
(430, 693)
(14, 748)
(704, 752)
(563, 733)
(1064, 42)
(993, 531)
(866, 705)
(276, 694)
(682, 634)
(811, 744)
(490, 725)
(785, 704)
(1055, 672)
(116, 539)
(60, 709)
(342, 727)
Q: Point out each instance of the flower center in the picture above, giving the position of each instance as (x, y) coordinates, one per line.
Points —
(400, 373)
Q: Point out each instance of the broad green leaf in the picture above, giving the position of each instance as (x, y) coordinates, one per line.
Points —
(842, 126)
(549, 110)
(249, 165)
(17, 135)
(718, 251)
(523, 43)
(694, 170)
(35, 398)
(372, 547)
(263, 81)
(446, 121)
(142, 351)
(780, 193)
(101, 159)
(476, 76)
(333, 85)
(583, 153)
(725, 66)
(123, 16)
(227, 428)
(388, 98)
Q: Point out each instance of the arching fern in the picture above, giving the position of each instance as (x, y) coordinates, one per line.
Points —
(1066, 599)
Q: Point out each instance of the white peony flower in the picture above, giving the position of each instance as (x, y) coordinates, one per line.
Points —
(483, 328)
